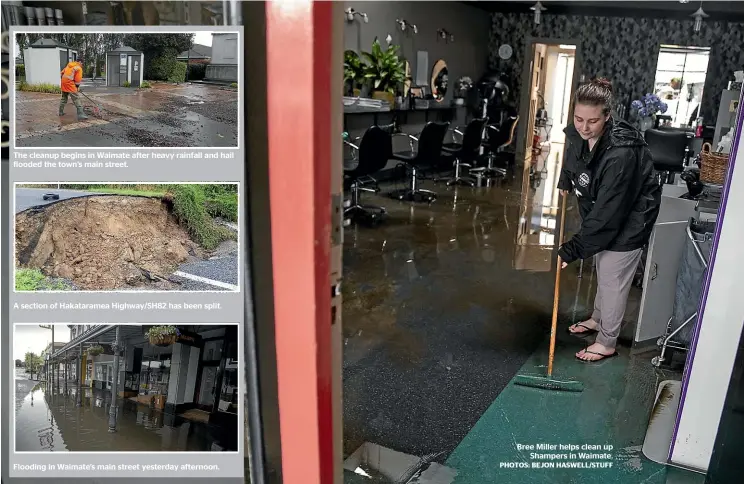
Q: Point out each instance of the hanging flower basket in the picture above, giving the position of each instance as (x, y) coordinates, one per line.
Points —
(163, 335)
(95, 350)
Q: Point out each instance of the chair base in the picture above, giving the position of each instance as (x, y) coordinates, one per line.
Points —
(461, 181)
(366, 214)
(419, 196)
(489, 172)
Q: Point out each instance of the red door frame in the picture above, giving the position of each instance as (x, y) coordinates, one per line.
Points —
(299, 66)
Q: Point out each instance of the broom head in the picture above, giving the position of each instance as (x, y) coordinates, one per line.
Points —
(549, 383)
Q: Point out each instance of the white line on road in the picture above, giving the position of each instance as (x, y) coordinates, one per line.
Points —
(204, 280)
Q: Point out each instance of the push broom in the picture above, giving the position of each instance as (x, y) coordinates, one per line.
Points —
(548, 382)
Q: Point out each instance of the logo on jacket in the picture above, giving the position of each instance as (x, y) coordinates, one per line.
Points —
(584, 180)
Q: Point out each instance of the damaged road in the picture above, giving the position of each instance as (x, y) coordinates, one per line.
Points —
(166, 115)
(100, 242)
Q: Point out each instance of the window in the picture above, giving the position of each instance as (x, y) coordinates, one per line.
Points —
(680, 77)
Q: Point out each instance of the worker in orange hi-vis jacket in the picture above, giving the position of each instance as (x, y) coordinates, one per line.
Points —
(72, 76)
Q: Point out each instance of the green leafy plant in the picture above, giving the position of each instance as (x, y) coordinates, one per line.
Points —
(234, 85)
(354, 69)
(44, 87)
(127, 84)
(162, 331)
(145, 85)
(96, 349)
(384, 68)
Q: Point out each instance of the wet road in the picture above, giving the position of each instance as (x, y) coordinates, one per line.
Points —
(443, 304)
(188, 115)
(51, 422)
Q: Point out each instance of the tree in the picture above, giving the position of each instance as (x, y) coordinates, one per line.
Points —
(34, 363)
(158, 45)
(18, 363)
(159, 50)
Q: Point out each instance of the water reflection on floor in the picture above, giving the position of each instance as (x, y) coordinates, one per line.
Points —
(50, 421)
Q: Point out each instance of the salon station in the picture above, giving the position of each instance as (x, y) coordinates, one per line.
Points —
(453, 118)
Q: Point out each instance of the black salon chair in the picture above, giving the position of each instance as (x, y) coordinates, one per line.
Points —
(426, 150)
(466, 152)
(372, 153)
(669, 149)
(497, 139)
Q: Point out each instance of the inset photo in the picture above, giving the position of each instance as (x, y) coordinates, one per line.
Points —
(126, 237)
(127, 90)
(126, 388)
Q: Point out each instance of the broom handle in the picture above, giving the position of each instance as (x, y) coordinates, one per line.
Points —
(554, 323)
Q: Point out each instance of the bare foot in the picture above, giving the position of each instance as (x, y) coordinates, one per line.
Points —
(595, 352)
(588, 326)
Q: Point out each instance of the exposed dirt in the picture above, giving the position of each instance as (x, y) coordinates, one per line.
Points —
(105, 242)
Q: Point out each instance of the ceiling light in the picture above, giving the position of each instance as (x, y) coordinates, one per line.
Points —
(538, 9)
(699, 15)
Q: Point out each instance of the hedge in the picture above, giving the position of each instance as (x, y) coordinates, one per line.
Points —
(166, 69)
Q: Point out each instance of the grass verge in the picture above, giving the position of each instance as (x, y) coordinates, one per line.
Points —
(34, 280)
(190, 204)
(47, 88)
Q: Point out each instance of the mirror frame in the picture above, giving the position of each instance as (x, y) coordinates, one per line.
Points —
(439, 66)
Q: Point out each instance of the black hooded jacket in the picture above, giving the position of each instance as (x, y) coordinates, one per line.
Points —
(619, 197)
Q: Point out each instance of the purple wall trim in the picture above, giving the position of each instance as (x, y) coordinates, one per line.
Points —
(711, 267)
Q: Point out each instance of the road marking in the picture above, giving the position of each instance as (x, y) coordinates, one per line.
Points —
(204, 280)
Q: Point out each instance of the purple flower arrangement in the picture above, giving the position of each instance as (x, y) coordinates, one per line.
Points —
(649, 105)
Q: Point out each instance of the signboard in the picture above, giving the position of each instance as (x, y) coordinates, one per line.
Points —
(122, 60)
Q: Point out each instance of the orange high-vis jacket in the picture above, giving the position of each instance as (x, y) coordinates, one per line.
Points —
(72, 74)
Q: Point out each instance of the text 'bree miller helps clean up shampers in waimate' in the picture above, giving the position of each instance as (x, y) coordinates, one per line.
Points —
(562, 456)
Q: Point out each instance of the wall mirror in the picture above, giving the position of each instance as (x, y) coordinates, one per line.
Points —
(439, 80)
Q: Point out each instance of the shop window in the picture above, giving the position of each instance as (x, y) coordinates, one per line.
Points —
(680, 78)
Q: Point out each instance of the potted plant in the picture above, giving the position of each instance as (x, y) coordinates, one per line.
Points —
(354, 71)
(386, 71)
(95, 350)
(647, 108)
(162, 335)
(676, 83)
(464, 84)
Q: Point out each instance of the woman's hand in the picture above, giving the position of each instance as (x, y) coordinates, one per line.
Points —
(564, 265)
(564, 193)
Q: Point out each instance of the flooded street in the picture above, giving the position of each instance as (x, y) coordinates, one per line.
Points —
(166, 115)
(51, 421)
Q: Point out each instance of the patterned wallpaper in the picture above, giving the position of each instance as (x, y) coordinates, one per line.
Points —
(625, 50)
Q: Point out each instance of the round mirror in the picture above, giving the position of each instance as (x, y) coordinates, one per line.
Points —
(439, 80)
(407, 83)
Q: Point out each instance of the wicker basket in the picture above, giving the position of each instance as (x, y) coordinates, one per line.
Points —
(713, 166)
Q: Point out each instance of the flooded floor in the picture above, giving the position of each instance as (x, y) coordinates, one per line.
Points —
(50, 421)
(445, 303)
(186, 115)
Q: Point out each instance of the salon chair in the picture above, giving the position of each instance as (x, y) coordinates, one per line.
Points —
(668, 149)
(372, 153)
(426, 150)
(466, 152)
(497, 139)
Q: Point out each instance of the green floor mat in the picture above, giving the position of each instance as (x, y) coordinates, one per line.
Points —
(611, 415)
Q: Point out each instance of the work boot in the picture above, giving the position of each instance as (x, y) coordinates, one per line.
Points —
(81, 114)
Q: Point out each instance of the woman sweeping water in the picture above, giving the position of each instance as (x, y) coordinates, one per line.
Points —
(610, 169)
